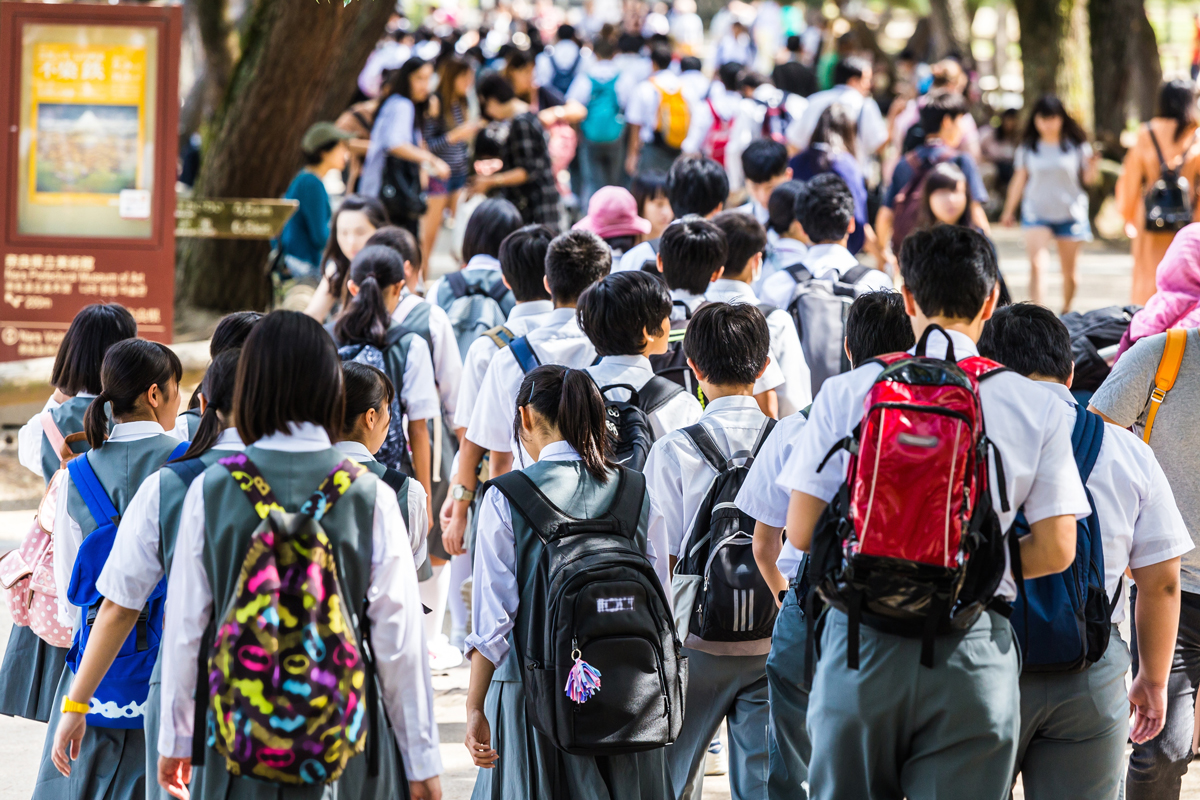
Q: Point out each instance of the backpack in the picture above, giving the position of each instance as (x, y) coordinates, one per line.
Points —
(1063, 622)
(604, 122)
(522, 351)
(918, 471)
(672, 364)
(27, 573)
(776, 119)
(598, 610)
(1169, 200)
(288, 612)
(819, 307)
(674, 117)
(475, 300)
(1164, 376)
(390, 361)
(119, 701)
(908, 201)
(500, 335)
(562, 78)
(718, 135)
(1090, 332)
(720, 596)
(628, 421)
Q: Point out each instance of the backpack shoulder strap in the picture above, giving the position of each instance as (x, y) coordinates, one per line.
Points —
(799, 273)
(523, 494)
(655, 244)
(398, 482)
(1086, 439)
(188, 470)
(767, 309)
(657, 392)
(252, 483)
(855, 274)
(498, 291)
(626, 508)
(501, 336)
(57, 441)
(92, 491)
(523, 353)
(765, 432)
(336, 484)
(179, 450)
(457, 284)
(1162, 162)
(703, 440)
(1164, 377)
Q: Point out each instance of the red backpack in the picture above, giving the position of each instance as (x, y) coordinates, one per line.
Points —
(911, 544)
(718, 135)
(908, 202)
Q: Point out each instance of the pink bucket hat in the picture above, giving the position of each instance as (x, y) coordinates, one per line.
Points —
(612, 211)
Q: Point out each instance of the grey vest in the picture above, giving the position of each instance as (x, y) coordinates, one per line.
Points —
(69, 419)
(377, 469)
(171, 492)
(121, 468)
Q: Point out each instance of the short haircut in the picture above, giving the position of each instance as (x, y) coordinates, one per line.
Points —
(825, 208)
(781, 208)
(764, 159)
(950, 270)
(696, 185)
(877, 324)
(690, 64)
(1028, 339)
(793, 44)
(938, 106)
(728, 342)
(490, 222)
(616, 312)
(80, 355)
(692, 249)
(850, 68)
(744, 237)
(494, 86)
(660, 56)
(574, 261)
(523, 262)
(289, 372)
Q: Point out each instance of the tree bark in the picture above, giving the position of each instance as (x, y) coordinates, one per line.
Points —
(297, 66)
(1056, 54)
(1125, 68)
(950, 21)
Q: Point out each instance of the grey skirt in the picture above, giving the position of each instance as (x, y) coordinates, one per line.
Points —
(29, 675)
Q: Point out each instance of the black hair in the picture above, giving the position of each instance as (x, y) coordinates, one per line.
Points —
(523, 262)
(217, 389)
(400, 83)
(130, 368)
(877, 324)
(1028, 339)
(648, 185)
(728, 342)
(660, 56)
(825, 208)
(690, 64)
(938, 106)
(366, 319)
(314, 157)
(366, 388)
(494, 86)
(93, 331)
(696, 185)
(490, 222)
(229, 334)
(837, 130)
(574, 261)
(616, 312)
(764, 159)
(729, 74)
(566, 32)
(569, 400)
(1050, 106)
(793, 43)
(849, 68)
(950, 270)
(289, 372)
(376, 214)
(946, 175)
(518, 59)
(605, 44)
(692, 249)
(630, 43)
(399, 239)
(744, 237)
(781, 207)
(1177, 101)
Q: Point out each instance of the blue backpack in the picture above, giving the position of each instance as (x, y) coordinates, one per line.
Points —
(1062, 622)
(475, 300)
(604, 122)
(562, 78)
(120, 699)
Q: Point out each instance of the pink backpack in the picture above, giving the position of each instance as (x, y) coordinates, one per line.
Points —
(27, 574)
(718, 135)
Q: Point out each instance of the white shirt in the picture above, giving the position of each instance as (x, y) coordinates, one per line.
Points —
(1024, 422)
(566, 54)
(678, 412)
(795, 392)
(603, 71)
(872, 128)
(521, 320)
(558, 341)
(642, 108)
(634, 69)
(1139, 522)
(419, 393)
(782, 253)
(695, 83)
(635, 257)
(822, 261)
(447, 361)
(418, 516)
(755, 210)
(727, 105)
(397, 622)
(29, 439)
(765, 500)
(496, 594)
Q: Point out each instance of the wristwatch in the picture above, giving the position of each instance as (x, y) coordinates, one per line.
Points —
(70, 706)
(460, 493)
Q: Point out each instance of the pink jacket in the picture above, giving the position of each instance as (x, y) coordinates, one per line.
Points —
(1176, 303)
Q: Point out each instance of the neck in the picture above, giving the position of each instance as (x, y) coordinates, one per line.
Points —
(135, 416)
(971, 328)
(843, 241)
(564, 303)
(745, 276)
(713, 392)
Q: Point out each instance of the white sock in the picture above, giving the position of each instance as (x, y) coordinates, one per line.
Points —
(460, 570)
(429, 597)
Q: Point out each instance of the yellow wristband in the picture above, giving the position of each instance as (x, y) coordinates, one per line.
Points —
(70, 706)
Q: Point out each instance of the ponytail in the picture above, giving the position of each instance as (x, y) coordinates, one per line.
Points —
(366, 318)
(569, 400)
(130, 368)
(217, 389)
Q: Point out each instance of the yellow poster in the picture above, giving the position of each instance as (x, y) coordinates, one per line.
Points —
(87, 120)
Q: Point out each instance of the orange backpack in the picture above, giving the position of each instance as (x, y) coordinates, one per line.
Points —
(674, 116)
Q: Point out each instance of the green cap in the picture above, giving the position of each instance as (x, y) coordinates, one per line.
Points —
(321, 135)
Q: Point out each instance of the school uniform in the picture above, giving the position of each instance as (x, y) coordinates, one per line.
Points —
(481, 261)
(643, 110)
(726, 680)
(413, 509)
(374, 563)
(953, 728)
(821, 261)
(782, 253)
(681, 299)
(506, 557)
(112, 761)
(187, 422)
(788, 745)
(636, 257)
(678, 412)
(521, 320)
(795, 392)
(1074, 726)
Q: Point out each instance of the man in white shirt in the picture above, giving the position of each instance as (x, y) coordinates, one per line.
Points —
(696, 84)
(651, 147)
(1074, 726)
(559, 64)
(598, 87)
(765, 166)
(717, 107)
(894, 727)
(852, 89)
(695, 185)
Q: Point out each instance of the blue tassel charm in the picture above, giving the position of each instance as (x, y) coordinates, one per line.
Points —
(583, 681)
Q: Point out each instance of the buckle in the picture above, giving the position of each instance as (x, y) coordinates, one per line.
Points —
(1157, 395)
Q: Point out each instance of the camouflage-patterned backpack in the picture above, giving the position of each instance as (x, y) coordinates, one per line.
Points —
(287, 684)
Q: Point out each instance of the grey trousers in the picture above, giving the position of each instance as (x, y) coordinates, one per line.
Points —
(1074, 728)
(732, 688)
(894, 729)
(788, 746)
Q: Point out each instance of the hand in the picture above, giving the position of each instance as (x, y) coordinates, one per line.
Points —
(1148, 705)
(631, 164)
(1008, 219)
(174, 775)
(1131, 230)
(446, 513)
(549, 116)
(68, 736)
(454, 533)
(479, 740)
(439, 168)
(428, 789)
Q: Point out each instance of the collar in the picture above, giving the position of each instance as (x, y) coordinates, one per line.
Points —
(559, 451)
(685, 296)
(483, 261)
(229, 439)
(303, 437)
(731, 402)
(789, 246)
(530, 308)
(86, 396)
(832, 256)
(731, 288)
(639, 361)
(132, 431)
(358, 450)
(560, 316)
(1060, 390)
(936, 348)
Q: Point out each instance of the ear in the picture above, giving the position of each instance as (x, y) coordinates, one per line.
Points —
(155, 396)
(658, 258)
(853, 225)
(716, 276)
(787, 174)
(763, 371)
(352, 288)
(203, 404)
(802, 233)
(989, 305)
(546, 283)
(910, 303)
(504, 280)
(846, 350)
(1071, 377)
(526, 418)
(695, 369)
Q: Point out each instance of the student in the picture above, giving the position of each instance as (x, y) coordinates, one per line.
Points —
(832, 149)
(658, 117)
(694, 186)
(765, 165)
(728, 348)
(825, 211)
(353, 223)
(789, 245)
(794, 76)
(649, 189)
(852, 88)
(612, 215)
(229, 334)
(141, 557)
(710, 133)
(892, 704)
(140, 380)
(560, 422)
(1074, 725)
(32, 668)
(289, 397)
(601, 161)
(876, 324)
(746, 242)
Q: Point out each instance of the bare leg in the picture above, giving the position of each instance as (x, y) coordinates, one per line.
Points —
(431, 223)
(1068, 254)
(1037, 242)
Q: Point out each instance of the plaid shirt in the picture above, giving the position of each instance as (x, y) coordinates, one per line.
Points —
(525, 147)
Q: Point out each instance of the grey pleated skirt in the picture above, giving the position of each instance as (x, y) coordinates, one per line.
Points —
(29, 675)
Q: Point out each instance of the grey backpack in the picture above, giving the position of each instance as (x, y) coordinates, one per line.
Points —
(819, 307)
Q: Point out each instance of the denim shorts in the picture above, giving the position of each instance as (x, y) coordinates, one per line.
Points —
(448, 186)
(1073, 229)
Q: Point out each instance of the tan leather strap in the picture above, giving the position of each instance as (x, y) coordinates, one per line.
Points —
(1164, 378)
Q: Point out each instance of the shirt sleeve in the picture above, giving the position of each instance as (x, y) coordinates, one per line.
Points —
(474, 369)
(657, 550)
(1020, 157)
(491, 419)
(680, 411)
(29, 441)
(314, 210)
(760, 496)
(67, 538)
(979, 192)
(418, 521)
(786, 345)
(701, 124)
(772, 377)
(1056, 489)
(580, 89)
(901, 175)
(1126, 391)
(400, 131)
(664, 482)
(447, 361)
(419, 393)
(872, 129)
(1159, 534)
(494, 611)
(835, 412)
(134, 567)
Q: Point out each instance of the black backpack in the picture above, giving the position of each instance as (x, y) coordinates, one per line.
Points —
(596, 597)
(628, 421)
(672, 364)
(1169, 201)
(1091, 332)
(390, 361)
(721, 584)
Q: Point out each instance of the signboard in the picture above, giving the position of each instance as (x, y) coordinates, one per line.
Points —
(90, 106)
(232, 219)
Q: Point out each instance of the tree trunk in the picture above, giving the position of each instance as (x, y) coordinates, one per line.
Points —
(1055, 54)
(297, 66)
(950, 21)
(1125, 68)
